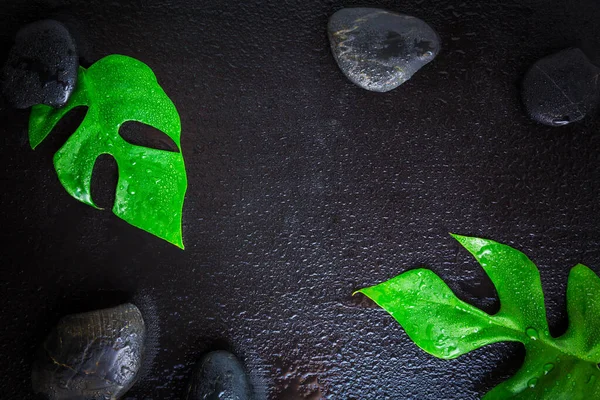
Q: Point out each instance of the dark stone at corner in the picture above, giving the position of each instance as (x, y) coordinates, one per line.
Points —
(561, 88)
(93, 356)
(219, 375)
(41, 67)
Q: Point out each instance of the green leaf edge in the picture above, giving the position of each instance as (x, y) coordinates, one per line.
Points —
(500, 392)
(80, 98)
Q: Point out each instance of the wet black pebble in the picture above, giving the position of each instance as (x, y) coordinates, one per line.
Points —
(561, 88)
(41, 67)
(219, 375)
(379, 50)
(91, 356)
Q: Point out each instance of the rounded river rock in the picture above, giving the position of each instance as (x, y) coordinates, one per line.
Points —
(91, 356)
(41, 67)
(219, 375)
(379, 50)
(561, 88)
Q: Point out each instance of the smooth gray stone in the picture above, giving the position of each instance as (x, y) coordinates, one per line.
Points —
(91, 356)
(219, 375)
(41, 67)
(561, 88)
(380, 50)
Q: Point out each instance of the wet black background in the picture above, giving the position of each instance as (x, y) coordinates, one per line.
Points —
(303, 188)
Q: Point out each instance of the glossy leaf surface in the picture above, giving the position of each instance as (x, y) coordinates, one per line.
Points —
(152, 183)
(446, 327)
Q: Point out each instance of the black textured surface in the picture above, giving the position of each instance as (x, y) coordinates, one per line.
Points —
(96, 355)
(561, 88)
(41, 67)
(219, 375)
(303, 188)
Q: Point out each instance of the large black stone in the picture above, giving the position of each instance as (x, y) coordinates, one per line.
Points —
(219, 375)
(561, 88)
(91, 356)
(41, 67)
(379, 50)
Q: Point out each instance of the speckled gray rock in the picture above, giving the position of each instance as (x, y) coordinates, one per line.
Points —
(91, 356)
(219, 375)
(41, 67)
(561, 88)
(379, 50)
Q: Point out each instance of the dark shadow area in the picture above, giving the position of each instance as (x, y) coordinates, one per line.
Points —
(145, 301)
(513, 356)
(217, 344)
(104, 181)
(591, 48)
(141, 134)
(24, 14)
(77, 29)
(359, 300)
(560, 327)
(479, 292)
(81, 302)
(67, 125)
(90, 301)
(483, 295)
(21, 15)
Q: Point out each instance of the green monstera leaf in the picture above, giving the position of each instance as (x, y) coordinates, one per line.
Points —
(152, 182)
(446, 327)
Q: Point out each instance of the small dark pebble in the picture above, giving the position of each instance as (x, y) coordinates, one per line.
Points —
(561, 88)
(379, 50)
(41, 67)
(91, 356)
(219, 375)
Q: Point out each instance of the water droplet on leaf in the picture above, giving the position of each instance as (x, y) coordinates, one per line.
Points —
(532, 382)
(532, 333)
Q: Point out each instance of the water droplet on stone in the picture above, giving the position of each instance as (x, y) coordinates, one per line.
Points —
(561, 121)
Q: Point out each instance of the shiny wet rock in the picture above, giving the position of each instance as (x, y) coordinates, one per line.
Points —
(41, 67)
(91, 356)
(561, 88)
(379, 50)
(219, 375)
